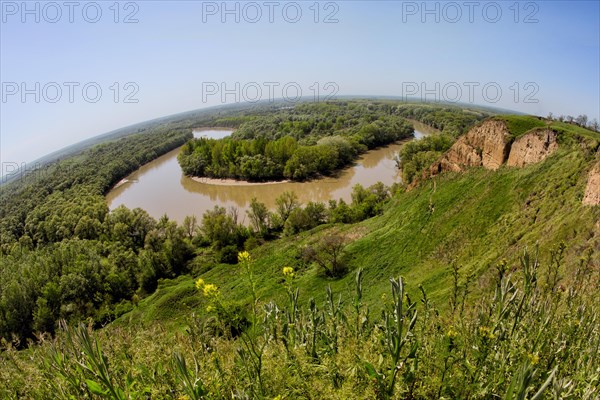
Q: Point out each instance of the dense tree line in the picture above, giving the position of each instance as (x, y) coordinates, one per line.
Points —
(298, 143)
(419, 155)
(451, 120)
(64, 255)
(88, 175)
(96, 277)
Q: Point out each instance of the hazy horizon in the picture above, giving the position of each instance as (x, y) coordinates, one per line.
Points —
(146, 60)
(217, 107)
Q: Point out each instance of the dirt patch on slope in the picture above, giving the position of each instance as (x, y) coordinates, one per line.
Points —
(592, 189)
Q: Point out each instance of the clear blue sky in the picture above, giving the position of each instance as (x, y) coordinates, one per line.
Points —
(543, 50)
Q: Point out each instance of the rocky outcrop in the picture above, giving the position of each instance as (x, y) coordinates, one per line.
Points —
(592, 190)
(490, 145)
(532, 147)
(486, 145)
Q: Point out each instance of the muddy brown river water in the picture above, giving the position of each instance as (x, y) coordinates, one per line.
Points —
(160, 187)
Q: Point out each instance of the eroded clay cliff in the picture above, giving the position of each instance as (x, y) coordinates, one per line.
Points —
(490, 145)
(532, 147)
(592, 189)
(485, 145)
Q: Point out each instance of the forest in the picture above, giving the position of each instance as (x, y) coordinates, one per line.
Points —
(300, 143)
(96, 265)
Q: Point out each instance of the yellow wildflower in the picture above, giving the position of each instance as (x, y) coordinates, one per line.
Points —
(451, 333)
(210, 290)
(243, 257)
(288, 271)
(486, 333)
(534, 358)
(199, 283)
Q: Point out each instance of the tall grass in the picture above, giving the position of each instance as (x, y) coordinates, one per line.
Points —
(534, 336)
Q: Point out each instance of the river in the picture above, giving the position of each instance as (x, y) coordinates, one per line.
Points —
(160, 187)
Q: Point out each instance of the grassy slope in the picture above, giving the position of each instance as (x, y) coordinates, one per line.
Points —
(518, 125)
(476, 218)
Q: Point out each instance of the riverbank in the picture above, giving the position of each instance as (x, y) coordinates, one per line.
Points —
(423, 128)
(161, 187)
(121, 183)
(233, 182)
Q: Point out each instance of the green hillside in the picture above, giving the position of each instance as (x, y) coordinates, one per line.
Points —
(493, 295)
(473, 219)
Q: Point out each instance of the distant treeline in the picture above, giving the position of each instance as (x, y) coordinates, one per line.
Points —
(298, 143)
(91, 173)
(450, 120)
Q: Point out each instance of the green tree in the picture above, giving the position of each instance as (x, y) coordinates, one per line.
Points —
(328, 254)
(259, 217)
(190, 226)
(286, 203)
(219, 227)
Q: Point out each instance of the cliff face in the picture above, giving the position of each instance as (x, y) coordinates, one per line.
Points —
(486, 145)
(532, 148)
(592, 189)
(489, 146)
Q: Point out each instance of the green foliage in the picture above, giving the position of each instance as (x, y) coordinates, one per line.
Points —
(328, 254)
(418, 155)
(63, 255)
(77, 278)
(519, 124)
(518, 341)
(259, 217)
(192, 387)
(78, 367)
(52, 203)
(450, 120)
(299, 143)
(220, 227)
(228, 254)
(67, 258)
(303, 219)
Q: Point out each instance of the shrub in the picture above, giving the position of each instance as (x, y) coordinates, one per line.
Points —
(228, 254)
(328, 254)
